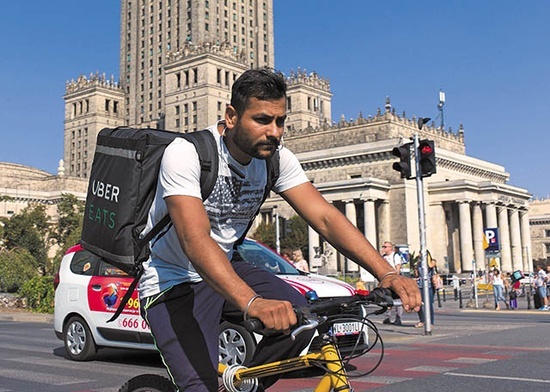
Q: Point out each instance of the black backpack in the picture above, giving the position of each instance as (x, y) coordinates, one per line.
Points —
(122, 186)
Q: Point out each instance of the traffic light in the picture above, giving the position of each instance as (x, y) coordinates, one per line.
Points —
(403, 152)
(426, 155)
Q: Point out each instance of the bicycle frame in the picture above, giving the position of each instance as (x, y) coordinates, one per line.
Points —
(335, 377)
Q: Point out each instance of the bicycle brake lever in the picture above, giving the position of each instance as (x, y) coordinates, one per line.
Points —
(312, 324)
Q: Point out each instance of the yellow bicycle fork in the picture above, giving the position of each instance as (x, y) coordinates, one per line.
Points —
(335, 379)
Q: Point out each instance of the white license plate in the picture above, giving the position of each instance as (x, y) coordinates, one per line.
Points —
(350, 328)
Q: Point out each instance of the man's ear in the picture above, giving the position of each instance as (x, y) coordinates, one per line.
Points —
(230, 116)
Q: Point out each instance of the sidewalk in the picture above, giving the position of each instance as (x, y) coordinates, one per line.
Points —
(24, 315)
(485, 304)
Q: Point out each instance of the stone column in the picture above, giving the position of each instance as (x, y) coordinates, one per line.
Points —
(504, 237)
(515, 238)
(466, 245)
(384, 224)
(439, 239)
(370, 221)
(477, 223)
(369, 217)
(351, 214)
(491, 215)
(526, 240)
(314, 249)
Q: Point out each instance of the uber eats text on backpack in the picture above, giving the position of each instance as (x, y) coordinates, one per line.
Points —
(100, 215)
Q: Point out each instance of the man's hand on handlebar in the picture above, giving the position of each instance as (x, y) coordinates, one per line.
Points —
(275, 315)
(406, 289)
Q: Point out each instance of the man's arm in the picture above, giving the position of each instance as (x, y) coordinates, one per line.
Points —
(193, 229)
(333, 226)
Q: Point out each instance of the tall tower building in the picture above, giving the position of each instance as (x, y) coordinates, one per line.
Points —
(91, 104)
(151, 30)
(178, 61)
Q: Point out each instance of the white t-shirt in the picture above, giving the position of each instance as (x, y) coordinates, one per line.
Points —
(236, 197)
(541, 278)
(394, 259)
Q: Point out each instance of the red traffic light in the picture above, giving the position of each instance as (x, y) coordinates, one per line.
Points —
(426, 152)
(426, 149)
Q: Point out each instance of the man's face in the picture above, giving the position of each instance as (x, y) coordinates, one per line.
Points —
(258, 131)
(386, 249)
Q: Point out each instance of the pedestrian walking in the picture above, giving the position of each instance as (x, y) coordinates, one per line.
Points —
(498, 289)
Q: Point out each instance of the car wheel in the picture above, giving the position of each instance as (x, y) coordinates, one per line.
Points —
(236, 344)
(78, 340)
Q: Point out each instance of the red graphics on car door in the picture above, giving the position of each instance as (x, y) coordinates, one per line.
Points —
(105, 292)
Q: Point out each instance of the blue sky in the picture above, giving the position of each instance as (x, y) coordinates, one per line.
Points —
(492, 59)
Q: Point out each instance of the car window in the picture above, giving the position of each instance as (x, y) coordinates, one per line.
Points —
(106, 269)
(262, 257)
(84, 263)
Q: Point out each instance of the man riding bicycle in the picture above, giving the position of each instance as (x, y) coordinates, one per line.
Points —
(189, 280)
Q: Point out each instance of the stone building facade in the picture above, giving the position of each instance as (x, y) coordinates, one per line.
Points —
(539, 219)
(351, 164)
(22, 185)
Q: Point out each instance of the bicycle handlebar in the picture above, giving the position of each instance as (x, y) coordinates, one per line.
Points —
(379, 296)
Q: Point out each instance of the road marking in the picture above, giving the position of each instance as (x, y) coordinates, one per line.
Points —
(60, 362)
(19, 347)
(43, 378)
(430, 369)
(472, 361)
(498, 377)
(382, 379)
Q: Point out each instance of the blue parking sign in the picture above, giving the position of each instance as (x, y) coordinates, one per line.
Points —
(491, 241)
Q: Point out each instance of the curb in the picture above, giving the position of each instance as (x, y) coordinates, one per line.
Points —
(26, 317)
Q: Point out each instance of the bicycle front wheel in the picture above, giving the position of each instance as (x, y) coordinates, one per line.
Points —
(148, 383)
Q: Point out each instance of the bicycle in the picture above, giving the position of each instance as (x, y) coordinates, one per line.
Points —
(324, 352)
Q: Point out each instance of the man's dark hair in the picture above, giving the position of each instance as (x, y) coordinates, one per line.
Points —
(265, 84)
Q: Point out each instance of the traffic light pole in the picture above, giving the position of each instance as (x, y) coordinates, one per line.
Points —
(423, 251)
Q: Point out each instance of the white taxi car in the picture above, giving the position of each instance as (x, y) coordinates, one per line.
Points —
(89, 290)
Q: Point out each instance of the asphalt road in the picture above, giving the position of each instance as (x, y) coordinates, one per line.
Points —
(468, 349)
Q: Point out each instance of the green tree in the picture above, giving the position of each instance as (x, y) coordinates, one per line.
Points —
(17, 266)
(69, 225)
(68, 229)
(295, 235)
(29, 230)
(265, 233)
(39, 293)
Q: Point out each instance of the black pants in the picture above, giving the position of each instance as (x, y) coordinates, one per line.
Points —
(184, 322)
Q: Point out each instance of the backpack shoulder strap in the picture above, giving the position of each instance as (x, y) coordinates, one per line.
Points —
(273, 172)
(207, 149)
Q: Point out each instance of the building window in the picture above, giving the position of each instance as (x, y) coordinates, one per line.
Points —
(547, 233)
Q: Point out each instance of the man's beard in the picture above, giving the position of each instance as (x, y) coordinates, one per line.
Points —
(258, 150)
